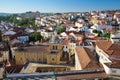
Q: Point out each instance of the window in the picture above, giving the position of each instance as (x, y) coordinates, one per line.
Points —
(53, 47)
(56, 47)
(53, 59)
(27, 59)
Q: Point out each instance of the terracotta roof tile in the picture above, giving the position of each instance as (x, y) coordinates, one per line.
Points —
(65, 42)
(115, 52)
(115, 46)
(103, 44)
(104, 30)
(114, 64)
(109, 48)
(87, 59)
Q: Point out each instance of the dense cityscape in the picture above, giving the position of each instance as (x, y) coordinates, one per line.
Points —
(60, 46)
(60, 40)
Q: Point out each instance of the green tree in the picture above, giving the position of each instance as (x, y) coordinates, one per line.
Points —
(35, 36)
(99, 33)
(11, 18)
(22, 22)
(107, 35)
(60, 30)
(95, 31)
(26, 22)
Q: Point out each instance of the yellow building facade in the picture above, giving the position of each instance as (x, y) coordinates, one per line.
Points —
(55, 53)
(49, 54)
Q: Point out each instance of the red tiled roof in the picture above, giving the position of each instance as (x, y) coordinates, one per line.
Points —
(114, 52)
(78, 42)
(103, 44)
(87, 59)
(114, 64)
(83, 57)
(104, 30)
(115, 46)
(109, 48)
(65, 42)
(68, 32)
(78, 35)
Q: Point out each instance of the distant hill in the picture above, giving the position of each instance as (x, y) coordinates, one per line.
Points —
(30, 14)
(5, 14)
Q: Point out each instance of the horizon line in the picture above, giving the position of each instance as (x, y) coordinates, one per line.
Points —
(59, 12)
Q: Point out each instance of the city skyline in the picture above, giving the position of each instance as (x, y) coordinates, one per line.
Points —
(20, 6)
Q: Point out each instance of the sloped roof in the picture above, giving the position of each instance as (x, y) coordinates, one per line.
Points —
(87, 59)
(108, 47)
(114, 64)
(115, 46)
(10, 33)
(65, 42)
(103, 44)
(83, 57)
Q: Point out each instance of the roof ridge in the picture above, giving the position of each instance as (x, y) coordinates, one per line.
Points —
(87, 52)
(109, 47)
(87, 55)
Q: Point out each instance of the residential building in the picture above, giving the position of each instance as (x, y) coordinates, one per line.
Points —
(109, 55)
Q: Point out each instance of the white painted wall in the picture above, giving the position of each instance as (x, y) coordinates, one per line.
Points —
(77, 62)
(78, 24)
(104, 58)
(111, 71)
(66, 48)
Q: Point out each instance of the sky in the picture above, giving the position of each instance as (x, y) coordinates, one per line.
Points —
(20, 6)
